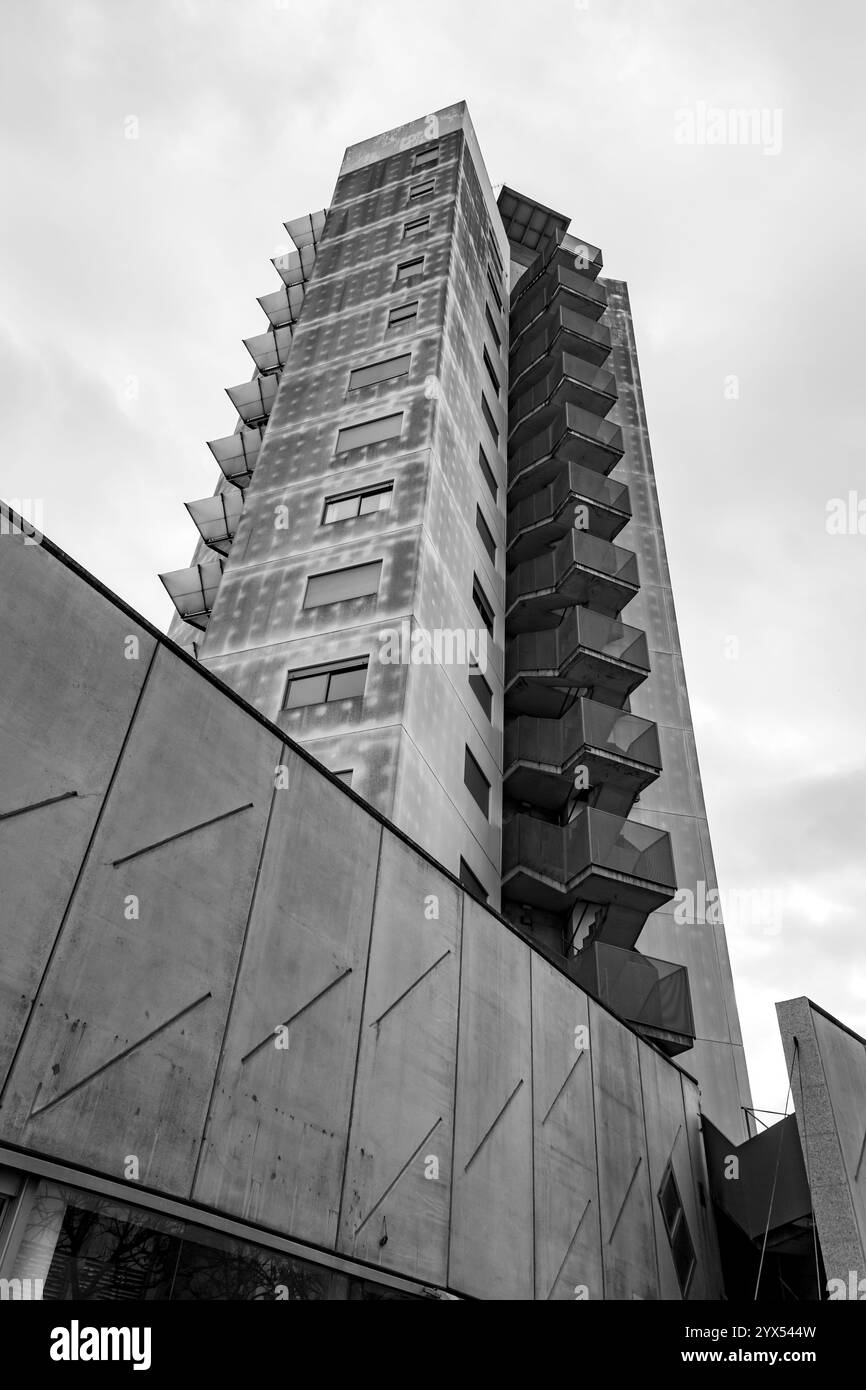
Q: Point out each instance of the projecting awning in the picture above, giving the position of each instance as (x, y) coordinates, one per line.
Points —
(307, 230)
(270, 350)
(237, 454)
(295, 267)
(217, 519)
(253, 399)
(528, 223)
(193, 590)
(284, 305)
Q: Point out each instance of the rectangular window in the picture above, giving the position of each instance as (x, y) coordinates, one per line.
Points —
(496, 295)
(410, 270)
(488, 415)
(379, 371)
(370, 432)
(416, 228)
(490, 372)
(420, 192)
(485, 533)
(351, 504)
(316, 685)
(427, 158)
(678, 1232)
(337, 586)
(482, 603)
(494, 251)
(481, 690)
(472, 884)
(477, 783)
(404, 315)
(489, 476)
(494, 331)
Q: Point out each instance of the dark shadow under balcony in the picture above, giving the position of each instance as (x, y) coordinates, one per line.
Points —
(564, 329)
(600, 656)
(569, 381)
(569, 435)
(597, 858)
(619, 751)
(558, 285)
(581, 569)
(652, 995)
(540, 520)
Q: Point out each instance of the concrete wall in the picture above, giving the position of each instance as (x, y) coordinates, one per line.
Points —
(828, 1080)
(171, 912)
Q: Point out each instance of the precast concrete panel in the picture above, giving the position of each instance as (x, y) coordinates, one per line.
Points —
(279, 1120)
(568, 1262)
(708, 1282)
(121, 1044)
(667, 1144)
(73, 669)
(491, 1252)
(397, 1186)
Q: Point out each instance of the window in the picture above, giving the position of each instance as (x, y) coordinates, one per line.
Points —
(379, 371)
(477, 783)
(489, 476)
(370, 432)
(496, 295)
(427, 158)
(315, 685)
(403, 314)
(494, 251)
(678, 1232)
(420, 192)
(484, 532)
(472, 884)
(494, 331)
(410, 270)
(482, 603)
(345, 775)
(337, 586)
(491, 373)
(482, 692)
(352, 504)
(421, 224)
(488, 415)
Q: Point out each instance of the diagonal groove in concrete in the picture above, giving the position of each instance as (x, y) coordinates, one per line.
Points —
(488, 1133)
(133, 1047)
(402, 996)
(309, 1004)
(570, 1244)
(571, 1072)
(36, 805)
(157, 844)
(393, 1184)
(624, 1200)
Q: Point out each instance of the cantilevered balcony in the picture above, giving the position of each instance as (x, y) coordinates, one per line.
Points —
(217, 518)
(558, 286)
(563, 330)
(596, 858)
(619, 751)
(236, 454)
(569, 381)
(577, 496)
(653, 995)
(270, 350)
(555, 252)
(581, 569)
(193, 590)
(588, 652)
(253, 399)
(572, 435)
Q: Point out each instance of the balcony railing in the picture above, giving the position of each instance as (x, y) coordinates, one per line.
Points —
(568, 253)
(582, 569)
(619, 751)
(544, 517)
(571, 436)
(558, 285)
(597, 858)
(606, 658)
(569, 380)
(565, 328)
(651, 994)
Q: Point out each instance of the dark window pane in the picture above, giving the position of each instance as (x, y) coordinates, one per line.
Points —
(346, 685)
(477, 783)
(489, 478)
(309, 690)
(472, 884)
(484, 532)
(482, 692)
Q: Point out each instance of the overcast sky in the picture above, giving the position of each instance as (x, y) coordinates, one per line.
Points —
(131, 266)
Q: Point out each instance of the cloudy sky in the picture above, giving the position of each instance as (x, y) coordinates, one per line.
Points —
(131, 266)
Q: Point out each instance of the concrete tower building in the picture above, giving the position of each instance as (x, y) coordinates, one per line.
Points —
(436, 559)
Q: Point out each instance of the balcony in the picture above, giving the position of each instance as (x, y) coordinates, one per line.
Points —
(652, 995)
(543, 518)
(253, 399)
(193, 590)
(569, 381)
(217, 519)
(236, 455)
(620, 752)
(558, 286)
(571, 436)
(599, 656)
(270, 350)
(597, 858)
(564, 252)
(580, 570)
(564, 330)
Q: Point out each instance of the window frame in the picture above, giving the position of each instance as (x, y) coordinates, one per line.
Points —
(489, 419)
(488, 474)
(473, 766)
(401, 278)
(358, 493)
(376, 565)
(483, 604)
(328, 669)
(488, 540)
(416, 228)
(407, 318)
(345, 430)
(382, 362)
